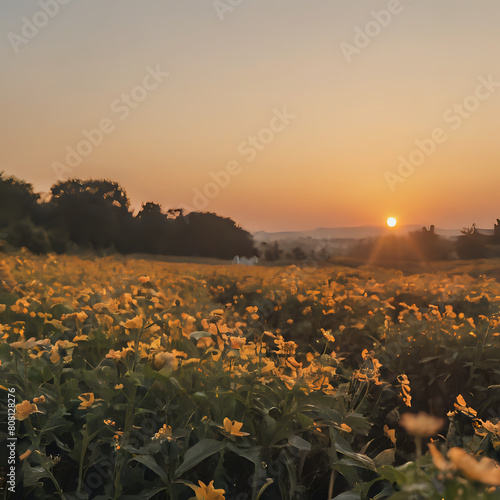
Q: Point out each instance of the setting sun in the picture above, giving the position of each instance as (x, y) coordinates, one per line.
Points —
(391, 221)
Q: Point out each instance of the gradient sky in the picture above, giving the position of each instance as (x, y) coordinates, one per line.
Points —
(326, 167)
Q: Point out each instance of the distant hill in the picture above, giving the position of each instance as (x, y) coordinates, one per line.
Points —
(349, 233)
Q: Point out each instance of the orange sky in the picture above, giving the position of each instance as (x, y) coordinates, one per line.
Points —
(309, 107)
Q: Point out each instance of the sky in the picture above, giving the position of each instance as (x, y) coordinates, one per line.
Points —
(283, 115)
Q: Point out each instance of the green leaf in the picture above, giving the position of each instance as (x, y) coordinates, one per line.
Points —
(196, 454)
(299, 443)
(151, 464)
(348, 495)
(145, 494)
(161, 375)
(430, 358)
(199, 335)
(365, 462)
(32, 475)
(451, 359)
(386, 492)
(251, 454)
(385, 457)
(175, 383)
(284, 428)
(358, 423)
(348, 469)
(305, 421)
(391, 474)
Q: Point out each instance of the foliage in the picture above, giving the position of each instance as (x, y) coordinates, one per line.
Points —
(417, 246)
(17, 199)
(140, 379)
(95, 214)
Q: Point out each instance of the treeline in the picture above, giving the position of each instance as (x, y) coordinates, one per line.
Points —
(95, 214)
(427, 245)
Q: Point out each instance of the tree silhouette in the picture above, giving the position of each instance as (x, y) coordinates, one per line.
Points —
(209, 235)
(471, 244)
(92, 212)
(95, 214)
(151, 231)
(17, 200)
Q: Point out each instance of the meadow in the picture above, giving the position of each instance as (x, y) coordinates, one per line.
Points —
(139, 378)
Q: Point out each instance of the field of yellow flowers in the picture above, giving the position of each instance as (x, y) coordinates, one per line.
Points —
(127, 378)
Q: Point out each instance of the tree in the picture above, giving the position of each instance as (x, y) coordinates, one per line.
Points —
(151, 229)
(273, 252)
(472, 244)
(298, 253)
(17, 200)
(209, 235)
(94, 212)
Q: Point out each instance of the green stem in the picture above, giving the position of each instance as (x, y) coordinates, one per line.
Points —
(82, 458)
(120, 459)
(269, 481)
(418, 447)
(376, 403)
(56, 484)
(358, 399)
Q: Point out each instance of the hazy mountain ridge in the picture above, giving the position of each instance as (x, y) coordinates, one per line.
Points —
(348, 233)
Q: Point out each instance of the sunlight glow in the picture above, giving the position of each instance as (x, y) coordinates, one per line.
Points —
(391, 221)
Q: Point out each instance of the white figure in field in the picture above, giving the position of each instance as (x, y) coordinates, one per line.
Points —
(245, 260)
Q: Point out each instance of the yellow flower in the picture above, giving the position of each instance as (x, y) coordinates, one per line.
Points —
(81, 316)
(87, 400)
(390, 433)
(405, 389)
(66, 347)
(421, 424)
(490, 427)
(104, 319)
(25, 409)
(54, 355)
(134, 322)
(486, 471)
(233, 427)
(439, 461)
(165, 359)
(293, 362)
(236, 342)
(118, 386)
(287, 348)
(205, 342)
(80, 338)
(462, 407)
(117, 355)
(25, 455)
(204, 492)
(328, 335)
(165, 433)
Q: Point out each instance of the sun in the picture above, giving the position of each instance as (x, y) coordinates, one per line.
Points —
(391, 221)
